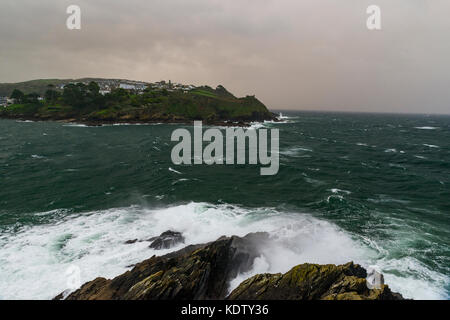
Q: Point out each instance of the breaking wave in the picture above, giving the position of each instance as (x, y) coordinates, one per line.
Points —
(34, 259)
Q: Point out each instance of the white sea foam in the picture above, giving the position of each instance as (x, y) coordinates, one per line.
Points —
(256, 125)
(295, 151)
(382, 198)
(335, 190)
(179, 180)
(76, 125)
(430, 145)
(314, 181)
(426, 128)
(134, 124)
(395, 165)
(414, 278)
(174, 171)
(265, 124)
(281, 116)
(35, 259)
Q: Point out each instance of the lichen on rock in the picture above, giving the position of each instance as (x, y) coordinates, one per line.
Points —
(313, 282)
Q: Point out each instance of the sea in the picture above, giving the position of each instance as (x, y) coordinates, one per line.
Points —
(368, 188)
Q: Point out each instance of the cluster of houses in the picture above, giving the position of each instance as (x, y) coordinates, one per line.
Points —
(169, 86)
(5, 101)
(137, 86)
(107, 85)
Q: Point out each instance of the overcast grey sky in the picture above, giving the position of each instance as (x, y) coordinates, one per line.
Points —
(293, 54)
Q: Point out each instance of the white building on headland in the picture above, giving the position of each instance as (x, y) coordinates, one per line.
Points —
(172, 86)
(127, 86)
(133, 86)
(4, 101)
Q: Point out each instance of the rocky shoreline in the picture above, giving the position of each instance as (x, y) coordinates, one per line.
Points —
(204, 271)
(103, 122)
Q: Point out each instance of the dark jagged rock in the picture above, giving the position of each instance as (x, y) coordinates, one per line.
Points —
(166, 240)
(204, 271)
(131, 241)
(313, 282)
(195, 273)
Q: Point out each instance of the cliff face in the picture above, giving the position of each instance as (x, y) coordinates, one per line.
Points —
(204, 271)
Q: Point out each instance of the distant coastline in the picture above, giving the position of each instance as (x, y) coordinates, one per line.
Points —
(122, 101)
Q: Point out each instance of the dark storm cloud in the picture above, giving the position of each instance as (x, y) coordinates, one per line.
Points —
(311, 54)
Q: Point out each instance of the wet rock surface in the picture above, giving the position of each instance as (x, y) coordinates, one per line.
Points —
(204, 271)
(166, 240)
(313, 282)
(195, 272)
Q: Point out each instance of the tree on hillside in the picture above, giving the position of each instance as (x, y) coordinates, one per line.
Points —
(18, 96)
(83, 96)
(93, 88)
(51, 95)
(32, 97)
(74, 95)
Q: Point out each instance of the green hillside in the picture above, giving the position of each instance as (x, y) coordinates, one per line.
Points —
(84, 103)
(39, 86)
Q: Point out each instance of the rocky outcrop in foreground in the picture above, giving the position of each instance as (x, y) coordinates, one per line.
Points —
(313, 282)
(204, 271)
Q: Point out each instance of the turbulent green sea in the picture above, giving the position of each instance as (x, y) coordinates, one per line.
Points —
(370, 188)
